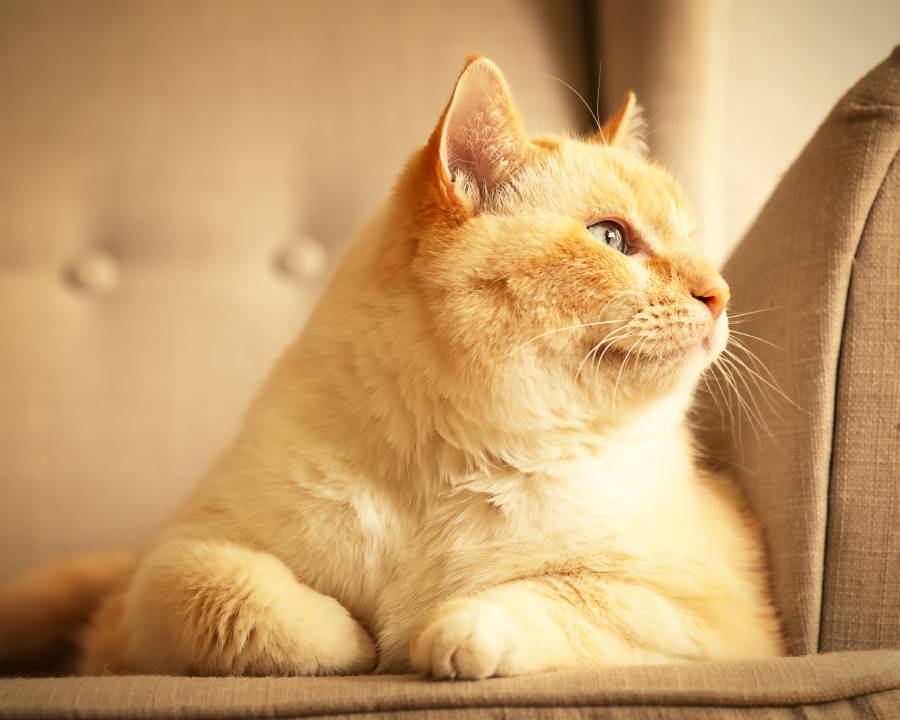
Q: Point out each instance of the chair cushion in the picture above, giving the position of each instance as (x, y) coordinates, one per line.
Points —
(841, 685)
(821, 269)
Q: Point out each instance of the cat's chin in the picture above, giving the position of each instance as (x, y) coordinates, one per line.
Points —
(684, 358)
(700, 353)
(714, 343)
(686, 363)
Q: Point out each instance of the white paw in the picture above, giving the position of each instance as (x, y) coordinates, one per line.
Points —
(356, 653)
(342, 646)
(467, 640)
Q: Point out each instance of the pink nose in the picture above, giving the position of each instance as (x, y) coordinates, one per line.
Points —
(715, 297)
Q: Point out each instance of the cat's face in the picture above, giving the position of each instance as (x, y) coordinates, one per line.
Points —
(557, 259)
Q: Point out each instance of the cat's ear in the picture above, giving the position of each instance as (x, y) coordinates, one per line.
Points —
(625, 129)
(479, 142)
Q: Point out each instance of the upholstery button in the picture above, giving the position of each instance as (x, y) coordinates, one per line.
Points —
(94, 272)
(304, 259)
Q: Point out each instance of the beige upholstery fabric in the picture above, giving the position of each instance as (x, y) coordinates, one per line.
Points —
(172, 175)
(839, 686)
(861, 597)
(174, 184)
(734, 90)
(821, 263)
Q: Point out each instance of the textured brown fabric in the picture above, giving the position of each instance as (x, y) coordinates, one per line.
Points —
(795, 266)
(172, 174)
(861, 598)
(840, 685)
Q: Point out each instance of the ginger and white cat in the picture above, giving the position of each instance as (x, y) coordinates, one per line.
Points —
(473, 461)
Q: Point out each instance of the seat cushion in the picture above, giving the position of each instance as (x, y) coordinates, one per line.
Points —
(819, 271)
(841, 685)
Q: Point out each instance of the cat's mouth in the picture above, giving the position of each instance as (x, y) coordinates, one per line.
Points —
(662, 350)
(659, 357)
(657, 360)
(651, 347)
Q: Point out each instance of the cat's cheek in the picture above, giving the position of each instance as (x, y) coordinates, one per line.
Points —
(637, 264)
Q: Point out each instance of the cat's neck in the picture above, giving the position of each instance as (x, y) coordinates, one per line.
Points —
(366, 407)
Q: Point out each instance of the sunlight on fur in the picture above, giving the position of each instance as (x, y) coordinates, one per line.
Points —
(473, 461)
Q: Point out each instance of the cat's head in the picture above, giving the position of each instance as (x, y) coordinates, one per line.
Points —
(559, 269)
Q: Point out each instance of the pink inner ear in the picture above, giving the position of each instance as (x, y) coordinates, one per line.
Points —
(481, 137)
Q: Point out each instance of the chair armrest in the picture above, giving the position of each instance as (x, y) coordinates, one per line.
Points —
(821, 264)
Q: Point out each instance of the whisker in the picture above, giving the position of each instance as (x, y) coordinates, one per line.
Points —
(638, 346)
(760, 386)
(587, 356)
(600, 342)
(621, 370)
(743, 317)
(772, 382)
(610, 342)
(722, 393)
(611, 299)
(580, 97)
(728, 375)
(737, 426)
(667, 108)
(709, 391)
(753, 397)
(607, 340)
(756, 337)
(752, 412)
(751, 312)
(564, 329)
(738, 344)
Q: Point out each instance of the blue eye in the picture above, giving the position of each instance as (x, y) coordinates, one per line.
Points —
(610, 233)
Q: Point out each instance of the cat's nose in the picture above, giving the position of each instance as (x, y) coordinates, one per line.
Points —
(715, 296)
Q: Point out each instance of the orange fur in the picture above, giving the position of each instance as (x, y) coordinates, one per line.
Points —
(43, 611)
(474, 458)
(609, 133)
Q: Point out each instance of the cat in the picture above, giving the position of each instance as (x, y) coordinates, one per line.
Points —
(473, 461)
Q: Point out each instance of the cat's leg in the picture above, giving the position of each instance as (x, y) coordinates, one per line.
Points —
(554, 622)
(218, 608)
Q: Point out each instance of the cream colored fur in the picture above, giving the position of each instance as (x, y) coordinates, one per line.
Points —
(440, 475)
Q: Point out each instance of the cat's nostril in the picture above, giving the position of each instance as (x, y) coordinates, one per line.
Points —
(715, 298)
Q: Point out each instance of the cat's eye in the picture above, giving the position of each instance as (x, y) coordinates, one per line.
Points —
(611, 233)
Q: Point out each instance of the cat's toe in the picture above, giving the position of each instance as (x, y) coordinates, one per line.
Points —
(466, 640)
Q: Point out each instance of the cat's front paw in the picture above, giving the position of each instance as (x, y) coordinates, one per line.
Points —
(467, 639)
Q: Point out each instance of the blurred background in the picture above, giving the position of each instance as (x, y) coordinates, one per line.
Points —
(178, 177)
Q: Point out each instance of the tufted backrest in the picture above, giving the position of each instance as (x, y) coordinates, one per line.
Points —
(176, 181)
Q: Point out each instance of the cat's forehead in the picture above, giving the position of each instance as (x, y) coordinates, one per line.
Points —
(590, 181)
